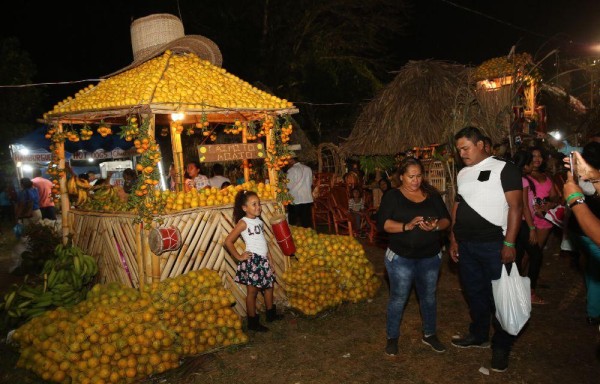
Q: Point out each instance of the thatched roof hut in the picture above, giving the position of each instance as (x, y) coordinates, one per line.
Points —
(418, 108)
(308, 152)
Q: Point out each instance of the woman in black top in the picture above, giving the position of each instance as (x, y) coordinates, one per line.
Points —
(413, 215)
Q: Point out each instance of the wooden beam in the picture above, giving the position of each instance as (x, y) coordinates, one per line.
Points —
(177, 158)
(64, 194)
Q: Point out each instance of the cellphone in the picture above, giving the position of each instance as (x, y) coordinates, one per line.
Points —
(429, 219)
(572, 164)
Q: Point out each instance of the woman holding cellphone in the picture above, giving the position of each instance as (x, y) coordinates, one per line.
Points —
(413, 216)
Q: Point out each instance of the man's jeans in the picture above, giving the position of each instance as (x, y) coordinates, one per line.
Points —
(478, 265)
(402, 272)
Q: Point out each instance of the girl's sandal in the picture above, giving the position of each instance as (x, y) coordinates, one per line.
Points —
(535, 299)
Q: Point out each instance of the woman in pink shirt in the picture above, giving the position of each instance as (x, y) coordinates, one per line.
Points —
(544, 196)
(527, 239)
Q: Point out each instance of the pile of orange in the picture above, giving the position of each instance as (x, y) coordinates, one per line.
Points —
(329, 270)
(209, 197)
(119, 335)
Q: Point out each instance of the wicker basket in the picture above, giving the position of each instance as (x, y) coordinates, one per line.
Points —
(152, 35)
(151, 32)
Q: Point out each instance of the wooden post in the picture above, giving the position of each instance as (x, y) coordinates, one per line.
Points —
(245, 161)
(177, 158)
(272, 173)
(64, 194)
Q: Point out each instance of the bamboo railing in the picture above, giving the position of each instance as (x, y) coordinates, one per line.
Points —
(121, 248)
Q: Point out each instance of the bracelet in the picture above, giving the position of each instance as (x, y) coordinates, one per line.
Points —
(403, 227)
(572, 195)
(512, 245)
(581, 200)
(531, 227)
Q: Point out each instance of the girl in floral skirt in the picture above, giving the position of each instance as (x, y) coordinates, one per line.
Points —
(255, 268)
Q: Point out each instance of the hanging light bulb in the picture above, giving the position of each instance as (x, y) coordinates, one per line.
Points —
(177, 116)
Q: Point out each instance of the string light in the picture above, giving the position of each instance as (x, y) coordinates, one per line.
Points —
(54, 83)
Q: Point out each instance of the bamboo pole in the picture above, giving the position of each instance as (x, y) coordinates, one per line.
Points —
(207, 235)
(155, 260)
(190, 246)
(245, 161)
(113, 266)
(207, 243)
(177, 158)
(239, 295)
(125, 250)
(151, 125)
(148, 265)
(140, 256)
(220, 257)
(64, 195)
(272, 173)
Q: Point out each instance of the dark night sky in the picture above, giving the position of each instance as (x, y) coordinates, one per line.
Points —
(72, 41)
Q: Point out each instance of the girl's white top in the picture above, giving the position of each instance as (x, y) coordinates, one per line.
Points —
(254, 236)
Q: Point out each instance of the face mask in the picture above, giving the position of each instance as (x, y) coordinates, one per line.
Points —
(588, 188)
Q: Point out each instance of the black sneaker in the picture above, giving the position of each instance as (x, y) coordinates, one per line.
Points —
(470, 341)
(499, 360)
(434, 343)
(391, 348)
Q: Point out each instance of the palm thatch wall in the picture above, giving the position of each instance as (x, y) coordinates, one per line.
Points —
(424, 104)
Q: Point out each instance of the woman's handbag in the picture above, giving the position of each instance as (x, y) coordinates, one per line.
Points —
(24, 209)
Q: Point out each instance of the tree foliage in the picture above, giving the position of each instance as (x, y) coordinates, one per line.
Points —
(334, 53)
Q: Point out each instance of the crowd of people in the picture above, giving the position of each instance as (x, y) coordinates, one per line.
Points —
(505, 210)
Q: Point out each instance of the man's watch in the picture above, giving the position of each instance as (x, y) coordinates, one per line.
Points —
(578, 201)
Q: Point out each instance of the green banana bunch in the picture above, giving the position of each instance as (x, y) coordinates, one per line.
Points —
(64, 282)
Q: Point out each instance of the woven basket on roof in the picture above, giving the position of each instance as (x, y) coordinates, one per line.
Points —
(152, 35)
(151, 32)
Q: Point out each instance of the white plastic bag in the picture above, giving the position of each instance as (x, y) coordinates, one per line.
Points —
(512, 296)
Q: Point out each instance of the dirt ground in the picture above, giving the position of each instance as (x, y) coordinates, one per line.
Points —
(345, 344)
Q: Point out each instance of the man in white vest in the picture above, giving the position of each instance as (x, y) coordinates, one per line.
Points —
(486, 219)
(300, 187)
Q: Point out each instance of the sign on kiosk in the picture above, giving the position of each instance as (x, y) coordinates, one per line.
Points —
(101, 154)
(33, 157)
(227, 152)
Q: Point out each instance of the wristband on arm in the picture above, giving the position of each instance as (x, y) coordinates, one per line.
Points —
(572, 195)
(511, 245)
